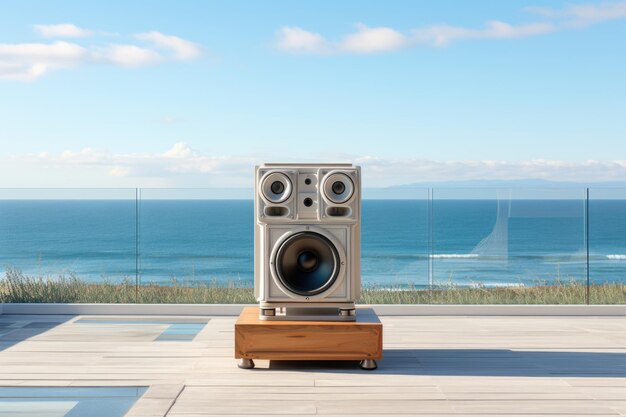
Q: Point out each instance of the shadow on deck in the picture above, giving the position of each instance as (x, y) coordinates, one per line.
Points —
(18, 328)
(477, 362)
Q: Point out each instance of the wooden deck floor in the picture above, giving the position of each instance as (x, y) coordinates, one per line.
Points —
(497, 366)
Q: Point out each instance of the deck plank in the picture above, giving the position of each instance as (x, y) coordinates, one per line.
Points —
(444, 366)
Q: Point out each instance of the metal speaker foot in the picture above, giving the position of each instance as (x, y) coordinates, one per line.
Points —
(245, 363)
(368, 364)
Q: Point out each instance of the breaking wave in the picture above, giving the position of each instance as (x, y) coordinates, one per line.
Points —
(618, 257)
(496, 285)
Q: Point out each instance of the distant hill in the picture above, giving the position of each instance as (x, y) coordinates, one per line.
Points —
(526, 188)
(526, 183)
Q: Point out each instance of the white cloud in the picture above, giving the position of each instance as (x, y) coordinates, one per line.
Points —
(179, 150)
(30, 61)
(118, 171)
(591, 13)
(63, 30)
(84, 156)
(183, 166)
(364, 41)
(21, 72)
(584, 14)
(443, 35)
(183, 49)
(371, 40)
(57, 51)
(295, 39)
(128, 55)
(384, 172)
(368, 40)
(178, 166)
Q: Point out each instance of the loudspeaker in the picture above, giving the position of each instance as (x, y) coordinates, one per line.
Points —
(307, 241)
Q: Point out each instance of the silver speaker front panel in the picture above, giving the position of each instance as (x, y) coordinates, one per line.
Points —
(315, 202)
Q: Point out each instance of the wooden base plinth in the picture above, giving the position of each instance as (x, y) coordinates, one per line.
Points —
(309, 340)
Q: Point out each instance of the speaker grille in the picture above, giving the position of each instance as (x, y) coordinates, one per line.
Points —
(307, 263)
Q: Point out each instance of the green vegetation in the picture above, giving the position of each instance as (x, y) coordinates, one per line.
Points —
(559, 293)
(18, 288)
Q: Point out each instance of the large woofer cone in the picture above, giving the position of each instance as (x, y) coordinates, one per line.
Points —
(307, 263)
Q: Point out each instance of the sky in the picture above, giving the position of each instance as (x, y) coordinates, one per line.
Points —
(195, 93)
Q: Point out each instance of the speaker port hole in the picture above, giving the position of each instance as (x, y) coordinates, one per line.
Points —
(307, 181)
(338, 211)
(275, 211)
(308, 202)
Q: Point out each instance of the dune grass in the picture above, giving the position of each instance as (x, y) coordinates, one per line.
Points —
(16, 287)
(19, 288)
(558, 293)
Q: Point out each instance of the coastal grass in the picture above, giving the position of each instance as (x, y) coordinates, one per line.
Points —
(16, 287)
(19, 288)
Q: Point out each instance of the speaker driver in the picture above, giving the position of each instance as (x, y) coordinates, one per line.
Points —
(276, 187)
(338, 188)
(307, 263)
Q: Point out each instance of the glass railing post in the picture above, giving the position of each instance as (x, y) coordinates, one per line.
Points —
(136, 245)
(430, 239)
(587, 301)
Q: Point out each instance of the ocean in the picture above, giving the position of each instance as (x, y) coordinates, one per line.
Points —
(405, 243)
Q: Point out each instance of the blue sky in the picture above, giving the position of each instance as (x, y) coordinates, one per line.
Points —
(195, 93)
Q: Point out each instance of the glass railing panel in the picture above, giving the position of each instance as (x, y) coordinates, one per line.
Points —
(508, 246)
(395, 245)
(194, 247)
(462, 246)
(607, 245)
(68, 245)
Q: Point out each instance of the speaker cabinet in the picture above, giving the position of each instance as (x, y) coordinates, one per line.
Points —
(307, 241)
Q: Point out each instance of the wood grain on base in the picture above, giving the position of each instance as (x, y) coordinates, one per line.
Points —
(310, 340)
